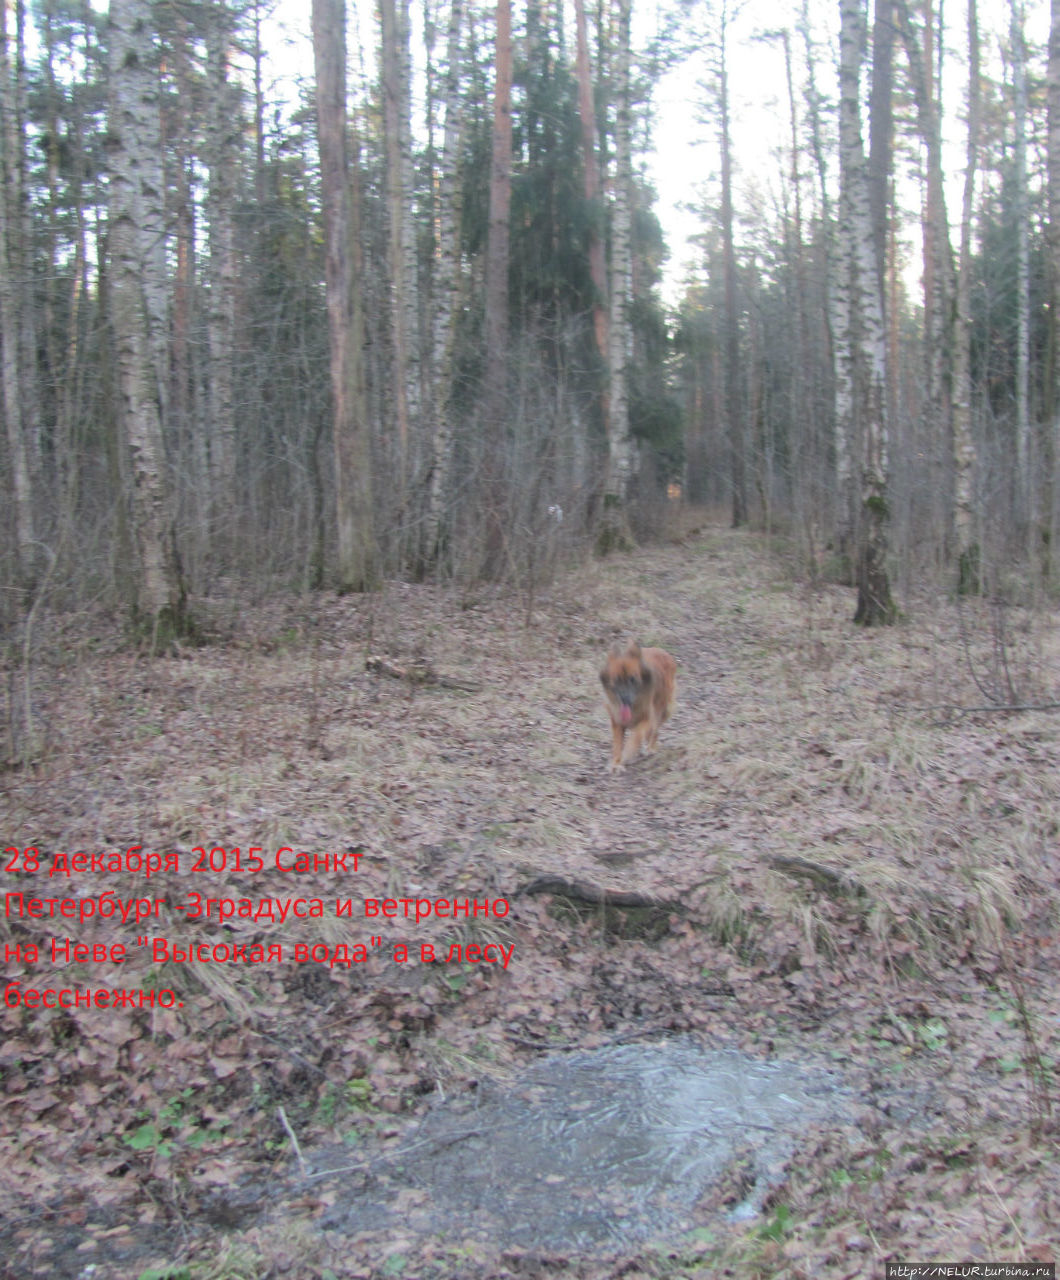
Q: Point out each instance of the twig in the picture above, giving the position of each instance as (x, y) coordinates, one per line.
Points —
(439, 1144)
(1011, 706)
(294, 1141)
(988, 709)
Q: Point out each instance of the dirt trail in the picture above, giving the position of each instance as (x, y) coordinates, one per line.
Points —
(857, 882)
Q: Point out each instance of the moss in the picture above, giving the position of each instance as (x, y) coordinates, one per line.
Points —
(613, 533)
(969, 581)
(174, 622)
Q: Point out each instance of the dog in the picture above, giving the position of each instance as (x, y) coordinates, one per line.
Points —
(639, 686)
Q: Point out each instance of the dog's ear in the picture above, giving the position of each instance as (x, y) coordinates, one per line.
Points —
(605, 676)
(616, 649)
(634, 650)
(645, 673)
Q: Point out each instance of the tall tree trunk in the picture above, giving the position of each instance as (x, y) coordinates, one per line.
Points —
(834, 324)
(21, 229)
(939, 283)
(1026, 481)
(258, 54)
(154, 238)
(223, 124)
(396, 64)
(881, 148)
(868, 344)
(497, 254)
(734, 406)
(19, 429)
(844, 332)
(591, 189)
(805, 460)
(135, 217)
(964, 451)
(357, 553)
(614, 530)
(183, 433)
(1053, 147)
(447, 293)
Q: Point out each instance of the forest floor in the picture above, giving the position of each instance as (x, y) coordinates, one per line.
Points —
(849, 869)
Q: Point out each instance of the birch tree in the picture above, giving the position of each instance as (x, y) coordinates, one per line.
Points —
(864, 338)
(620, 449)
(223, 125)
(135, 217)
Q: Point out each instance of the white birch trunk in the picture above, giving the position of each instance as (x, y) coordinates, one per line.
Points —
(869, 350)
(133, 241)
(620, 459)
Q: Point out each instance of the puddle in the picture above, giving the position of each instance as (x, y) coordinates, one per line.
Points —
(591, 1149)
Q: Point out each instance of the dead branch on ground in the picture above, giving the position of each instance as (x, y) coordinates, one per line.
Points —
(580, 891)
(420, 674)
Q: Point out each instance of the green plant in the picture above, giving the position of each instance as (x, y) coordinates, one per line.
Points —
(172, 1126)
(933, 1034)
(338, 1100)
(778, 1226)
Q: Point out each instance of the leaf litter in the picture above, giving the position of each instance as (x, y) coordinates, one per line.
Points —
(859, 882)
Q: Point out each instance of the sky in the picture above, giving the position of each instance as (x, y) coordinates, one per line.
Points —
(685, 166)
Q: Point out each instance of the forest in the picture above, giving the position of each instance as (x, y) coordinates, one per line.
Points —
(365, 387)
(411, 326)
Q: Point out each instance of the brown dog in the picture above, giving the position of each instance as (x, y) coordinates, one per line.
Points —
(639, 688)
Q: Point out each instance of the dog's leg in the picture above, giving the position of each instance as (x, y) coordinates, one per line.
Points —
(618, 734)
(636, 741)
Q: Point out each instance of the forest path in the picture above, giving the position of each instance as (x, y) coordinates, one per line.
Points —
(857, 883)
(723, 611)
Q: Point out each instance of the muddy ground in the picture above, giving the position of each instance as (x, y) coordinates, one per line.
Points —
(832, 861)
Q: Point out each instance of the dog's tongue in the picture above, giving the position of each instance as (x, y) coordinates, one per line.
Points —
(627, 715)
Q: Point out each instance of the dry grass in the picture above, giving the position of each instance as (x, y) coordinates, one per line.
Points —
(826, 830)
